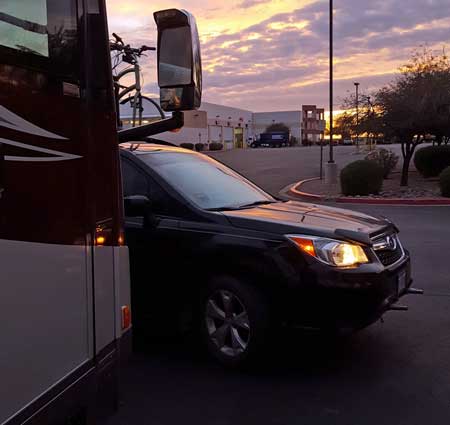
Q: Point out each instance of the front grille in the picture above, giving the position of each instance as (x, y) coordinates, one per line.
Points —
(387, 253)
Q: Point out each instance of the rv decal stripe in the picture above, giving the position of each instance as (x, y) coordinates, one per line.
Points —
(11, 120)
(58, 156)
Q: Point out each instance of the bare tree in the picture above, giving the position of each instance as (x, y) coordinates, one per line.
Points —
(275, 127)
(367, 124)
(414, 105)
(345, 125)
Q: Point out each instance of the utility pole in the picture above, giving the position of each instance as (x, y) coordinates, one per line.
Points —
(331, 170)
(357, 116)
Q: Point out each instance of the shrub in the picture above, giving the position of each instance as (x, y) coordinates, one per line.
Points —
(385, 158)
(187, 146)
(215, 146)
(444, 182)
(432, 160)
(199, 147)
(361, 178)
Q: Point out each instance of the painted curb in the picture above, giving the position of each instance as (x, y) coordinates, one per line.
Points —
(295, 191)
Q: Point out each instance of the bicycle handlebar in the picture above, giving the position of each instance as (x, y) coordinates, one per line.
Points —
(115, 46)
(146, 48)
(118, 39)
(127, 49)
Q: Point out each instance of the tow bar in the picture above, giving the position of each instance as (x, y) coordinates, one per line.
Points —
(414, 291)
(409, 291)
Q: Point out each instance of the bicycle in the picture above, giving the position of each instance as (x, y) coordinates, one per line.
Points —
(131, 56)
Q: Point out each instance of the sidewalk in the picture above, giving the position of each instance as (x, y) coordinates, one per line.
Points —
(317, 190)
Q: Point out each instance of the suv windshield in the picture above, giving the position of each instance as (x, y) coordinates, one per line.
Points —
(207, 183)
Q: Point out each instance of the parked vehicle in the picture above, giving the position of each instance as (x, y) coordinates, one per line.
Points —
(272, 140)
(65, 294)
(206, 241)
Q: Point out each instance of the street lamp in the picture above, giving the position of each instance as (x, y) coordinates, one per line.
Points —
(331, 159)
(331, 174)
(357, 115)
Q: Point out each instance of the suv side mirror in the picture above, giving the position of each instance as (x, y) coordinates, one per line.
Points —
(179, 60)
(137, 206)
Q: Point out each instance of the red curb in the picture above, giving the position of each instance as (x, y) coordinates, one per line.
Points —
(294, 190)
(394, 201)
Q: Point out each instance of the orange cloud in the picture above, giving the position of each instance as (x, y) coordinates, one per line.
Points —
(258, 53)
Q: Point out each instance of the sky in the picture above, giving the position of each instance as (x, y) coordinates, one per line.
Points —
(273, 55)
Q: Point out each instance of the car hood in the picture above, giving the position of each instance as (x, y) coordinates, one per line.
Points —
(309, 219)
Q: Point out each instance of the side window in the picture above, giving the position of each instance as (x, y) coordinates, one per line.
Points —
(134, 181)
(162, 202)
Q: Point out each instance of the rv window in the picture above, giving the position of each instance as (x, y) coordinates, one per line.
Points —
(23, 26)
(40, 34)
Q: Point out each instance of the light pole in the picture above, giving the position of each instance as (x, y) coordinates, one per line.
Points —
(371, 114)
(331, 159)
(357, 115)
(331, 170)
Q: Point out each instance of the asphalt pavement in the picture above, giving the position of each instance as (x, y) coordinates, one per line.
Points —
(274, 169)
(393, 373)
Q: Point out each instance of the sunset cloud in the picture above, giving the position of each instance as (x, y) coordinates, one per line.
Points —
(267, 55)
(251, 3)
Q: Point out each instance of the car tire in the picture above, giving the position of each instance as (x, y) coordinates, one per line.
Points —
(235, 321)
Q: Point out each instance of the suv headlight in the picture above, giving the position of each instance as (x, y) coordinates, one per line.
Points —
(332, 252)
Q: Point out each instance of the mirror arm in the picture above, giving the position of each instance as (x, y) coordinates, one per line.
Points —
(139, 133)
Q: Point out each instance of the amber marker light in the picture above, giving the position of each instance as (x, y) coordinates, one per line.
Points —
(100, 240)
(306, 245)
(103, 235)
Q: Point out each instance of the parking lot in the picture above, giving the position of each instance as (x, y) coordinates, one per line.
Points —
(396, 372)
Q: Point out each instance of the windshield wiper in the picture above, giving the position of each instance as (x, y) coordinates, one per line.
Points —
(223, 209)
(241, 207)
(255, 204)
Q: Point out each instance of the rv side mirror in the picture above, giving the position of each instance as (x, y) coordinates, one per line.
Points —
(136, 206)
(179, 60)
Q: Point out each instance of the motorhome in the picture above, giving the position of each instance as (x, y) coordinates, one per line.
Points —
(64, 267)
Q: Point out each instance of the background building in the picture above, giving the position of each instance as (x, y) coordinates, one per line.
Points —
(227, 125)
(313, 124)
(211, 123)
(235, 127)
(195, 129)
(293, 119)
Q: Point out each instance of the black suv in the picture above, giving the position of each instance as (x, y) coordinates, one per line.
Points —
(209, 245)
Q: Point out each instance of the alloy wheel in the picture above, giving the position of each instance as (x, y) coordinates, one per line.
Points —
(227, 323)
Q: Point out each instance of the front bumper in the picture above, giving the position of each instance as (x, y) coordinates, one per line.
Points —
(346, 300)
